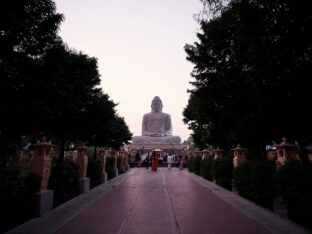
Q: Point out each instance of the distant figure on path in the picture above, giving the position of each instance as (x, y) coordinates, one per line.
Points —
(181, 162)
(147, 159)
(169, 161)
(154, 161)
(138, 159)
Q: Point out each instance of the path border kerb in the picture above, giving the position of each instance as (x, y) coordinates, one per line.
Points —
(266, 218)
(55, 219)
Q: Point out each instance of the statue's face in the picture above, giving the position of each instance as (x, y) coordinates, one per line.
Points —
(157, 105)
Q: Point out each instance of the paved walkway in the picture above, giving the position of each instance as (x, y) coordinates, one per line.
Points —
(166, 201)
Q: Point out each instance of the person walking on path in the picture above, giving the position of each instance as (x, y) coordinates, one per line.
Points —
(169, 161)
(138, 159)
(154, 161)
(181, 162)
(147, 159)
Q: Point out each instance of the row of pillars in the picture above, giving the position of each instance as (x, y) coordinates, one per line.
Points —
(41, 161)
(285, 152)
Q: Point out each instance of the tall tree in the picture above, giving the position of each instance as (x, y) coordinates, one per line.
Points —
(47, 88)
(27, 30)
(251, 66)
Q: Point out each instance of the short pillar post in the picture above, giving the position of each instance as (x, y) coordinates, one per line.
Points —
(82, 162)
(102, 159)
(40, 164)
(239, 156)
(115, 170)
(205, 154)
(285, 152)
(218, 154)
(126, 159)
(120, 162)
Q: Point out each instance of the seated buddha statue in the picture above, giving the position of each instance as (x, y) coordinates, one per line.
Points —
(156, 126)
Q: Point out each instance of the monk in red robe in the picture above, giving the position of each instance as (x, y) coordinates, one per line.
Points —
(154, 161)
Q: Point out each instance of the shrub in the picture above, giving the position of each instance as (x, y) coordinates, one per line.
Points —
(17, 197)
(222, 171)
(190, 164)
(94, 172)
(64, 181)
(254, 181)
(206, 168)
(294, 183)
(110, 167)
(196, 165)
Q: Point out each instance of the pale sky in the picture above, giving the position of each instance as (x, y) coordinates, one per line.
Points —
(139, 47)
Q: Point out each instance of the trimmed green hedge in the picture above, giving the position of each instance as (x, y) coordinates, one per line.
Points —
(222, 171)
(253, 180)
(94, 172)
(17, 197)
(64, 181)
(206, 168)
(110, 167)
(294, 183)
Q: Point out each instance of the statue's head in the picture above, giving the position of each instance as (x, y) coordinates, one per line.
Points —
(157, 104)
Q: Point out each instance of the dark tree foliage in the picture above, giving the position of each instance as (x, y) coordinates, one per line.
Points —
(74, 105)
(28, 29)
(252, 66)
(48, 89)
(107, 128)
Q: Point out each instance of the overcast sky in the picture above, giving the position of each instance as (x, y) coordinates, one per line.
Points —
(139, 47)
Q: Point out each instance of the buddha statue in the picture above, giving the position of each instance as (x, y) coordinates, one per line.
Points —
(156, 126)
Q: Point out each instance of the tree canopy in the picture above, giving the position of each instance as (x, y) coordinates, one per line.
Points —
(47, 88)
(28, 29)
(252, 68)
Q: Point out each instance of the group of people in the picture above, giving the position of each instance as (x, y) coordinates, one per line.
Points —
(153, 160)
(170, 160)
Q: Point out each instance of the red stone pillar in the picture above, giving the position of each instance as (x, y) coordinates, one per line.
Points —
(126, 160)
(205, 154)
(122, 168)
(239, 156)
(285, 152)
(102, 159)
(40, 164)
(218, 154)
(82, 162)
(113, 154)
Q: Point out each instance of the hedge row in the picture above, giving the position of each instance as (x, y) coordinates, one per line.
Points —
(259, 182)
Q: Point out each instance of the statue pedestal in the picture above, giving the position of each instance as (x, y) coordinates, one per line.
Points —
(152, 146)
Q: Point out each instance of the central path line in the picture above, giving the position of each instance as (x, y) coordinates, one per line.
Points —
(171, 204)
(125, 222)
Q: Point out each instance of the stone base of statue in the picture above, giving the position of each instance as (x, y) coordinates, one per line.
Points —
(152, 146)
(161, 140)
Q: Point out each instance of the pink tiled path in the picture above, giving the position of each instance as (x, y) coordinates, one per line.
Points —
(166, 201)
